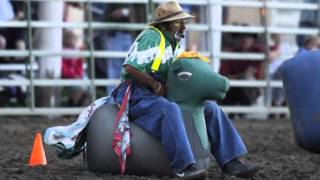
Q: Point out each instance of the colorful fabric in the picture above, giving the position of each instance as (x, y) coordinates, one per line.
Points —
(121, 141)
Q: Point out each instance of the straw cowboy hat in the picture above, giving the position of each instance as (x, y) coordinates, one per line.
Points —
(169, 11)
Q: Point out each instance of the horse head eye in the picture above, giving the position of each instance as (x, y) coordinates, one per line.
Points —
(184, 76)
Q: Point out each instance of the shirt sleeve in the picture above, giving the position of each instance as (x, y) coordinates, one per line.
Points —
(143, 51)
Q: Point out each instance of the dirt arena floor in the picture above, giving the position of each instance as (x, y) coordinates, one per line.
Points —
(270, 144)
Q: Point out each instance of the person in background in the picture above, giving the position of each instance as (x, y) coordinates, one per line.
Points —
(73, 68)
(243, 70)
(117, 40)
(280, 51)
(98, 11)
(111, 40)
(3, 60)
(3, 42)
(195, 40)
(149, 108)
(17, 37)
(310, 43)
(308, 19)
(11, 95)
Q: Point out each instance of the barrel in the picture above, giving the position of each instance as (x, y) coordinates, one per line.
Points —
(301, 81)
(148, 155)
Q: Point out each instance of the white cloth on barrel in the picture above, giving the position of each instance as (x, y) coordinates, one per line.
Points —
(67, 135)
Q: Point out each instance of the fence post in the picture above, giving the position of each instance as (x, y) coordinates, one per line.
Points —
(31, 101)
(215, 22)
(91, 49)
(264, 21)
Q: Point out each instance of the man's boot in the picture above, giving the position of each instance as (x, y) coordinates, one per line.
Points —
(236, 168)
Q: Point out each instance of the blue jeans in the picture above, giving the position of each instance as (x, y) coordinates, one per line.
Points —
(226, 143)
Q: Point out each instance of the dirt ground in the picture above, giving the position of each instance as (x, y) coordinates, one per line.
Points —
(270, 144)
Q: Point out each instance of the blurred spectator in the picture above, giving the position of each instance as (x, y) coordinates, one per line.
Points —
(10, 95)
(243, 70)
(311, 43)
(17, 36)
(194, 40)
(112, 40)
(280, 51)
(308, 19)
(119, 40)
(98, 11)
(74, 12)
(3, 60)
(3, 42)
(73, 68)
(6, 10)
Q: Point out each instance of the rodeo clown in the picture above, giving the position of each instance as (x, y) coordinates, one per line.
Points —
(142, 96)
(144, 71)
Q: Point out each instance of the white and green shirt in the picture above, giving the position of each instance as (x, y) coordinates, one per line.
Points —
(144, 50)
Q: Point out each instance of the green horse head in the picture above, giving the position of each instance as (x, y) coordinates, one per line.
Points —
(191, 81)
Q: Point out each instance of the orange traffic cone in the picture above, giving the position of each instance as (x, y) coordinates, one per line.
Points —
(38, 156)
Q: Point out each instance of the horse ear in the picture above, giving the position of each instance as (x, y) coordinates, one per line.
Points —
(176, 66)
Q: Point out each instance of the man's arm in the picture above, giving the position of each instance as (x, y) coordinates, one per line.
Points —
(146, 80)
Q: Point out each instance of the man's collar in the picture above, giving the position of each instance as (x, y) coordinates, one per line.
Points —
(171, 39)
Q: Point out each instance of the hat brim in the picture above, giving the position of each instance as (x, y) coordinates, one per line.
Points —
(180, 16)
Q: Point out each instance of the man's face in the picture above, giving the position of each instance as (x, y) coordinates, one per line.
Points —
(178, 28)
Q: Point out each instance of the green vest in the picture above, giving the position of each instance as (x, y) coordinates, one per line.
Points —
(151, 52)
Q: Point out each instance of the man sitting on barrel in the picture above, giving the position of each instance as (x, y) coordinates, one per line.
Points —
(145, 70)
